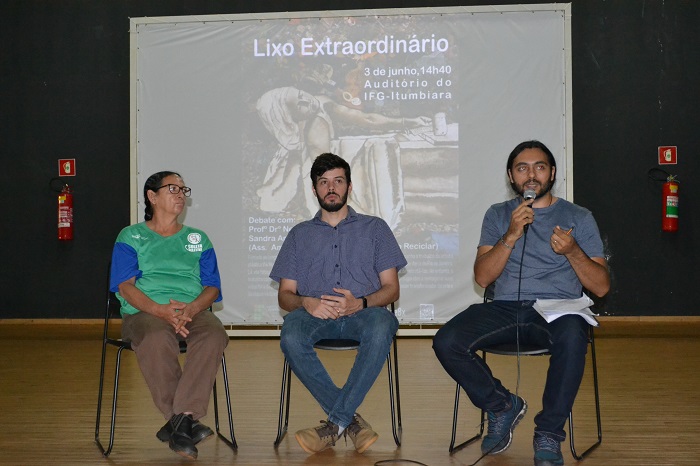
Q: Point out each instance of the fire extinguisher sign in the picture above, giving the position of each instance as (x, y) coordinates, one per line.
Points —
(668, 155)
(66, 167)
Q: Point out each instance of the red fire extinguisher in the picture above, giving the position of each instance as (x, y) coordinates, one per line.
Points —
(669, 221)
(65, 213)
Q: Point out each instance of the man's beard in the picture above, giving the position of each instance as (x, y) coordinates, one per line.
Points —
(335, 206)
(543, 192)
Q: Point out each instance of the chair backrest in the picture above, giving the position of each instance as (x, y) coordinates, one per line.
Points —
(490, 292)
(112, 304)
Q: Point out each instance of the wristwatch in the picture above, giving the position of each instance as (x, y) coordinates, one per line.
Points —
(364, 303)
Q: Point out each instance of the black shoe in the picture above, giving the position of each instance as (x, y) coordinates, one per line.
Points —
(181, 437)
(200, 432)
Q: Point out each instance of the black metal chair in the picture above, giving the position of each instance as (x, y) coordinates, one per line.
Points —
(510, 349)
(112, 311)
(344, 345)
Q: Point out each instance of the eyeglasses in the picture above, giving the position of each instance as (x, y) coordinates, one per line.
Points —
(175, 189)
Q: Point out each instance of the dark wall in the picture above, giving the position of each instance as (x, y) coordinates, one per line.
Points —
(64, 93)
(636, 68)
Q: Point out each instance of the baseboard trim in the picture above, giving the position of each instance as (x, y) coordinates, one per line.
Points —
(427, 325)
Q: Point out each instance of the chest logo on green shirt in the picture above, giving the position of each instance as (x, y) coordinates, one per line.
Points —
(194, 239)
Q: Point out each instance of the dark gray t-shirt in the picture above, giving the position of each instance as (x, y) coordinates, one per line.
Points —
(545, 274)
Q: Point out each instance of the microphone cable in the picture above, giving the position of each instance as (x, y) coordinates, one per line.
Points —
(528, 194)
(517, 342)
(517, 314)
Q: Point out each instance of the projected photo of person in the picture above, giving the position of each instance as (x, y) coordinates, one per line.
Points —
(304, 125)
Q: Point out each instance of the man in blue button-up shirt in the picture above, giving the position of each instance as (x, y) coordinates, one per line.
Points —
(337, 273)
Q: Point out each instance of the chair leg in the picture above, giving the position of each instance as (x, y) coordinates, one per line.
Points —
(394, 398)
(476, 437)
(597, 409)
(455, 412)
(396, 427)
(99, 394)
(454, 448)
(283, 420)
(106, 451)
(232, 442)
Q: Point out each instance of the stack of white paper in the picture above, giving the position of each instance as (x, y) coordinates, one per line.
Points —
(551, 309)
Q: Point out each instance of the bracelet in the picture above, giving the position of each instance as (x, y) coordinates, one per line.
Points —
(503, 242)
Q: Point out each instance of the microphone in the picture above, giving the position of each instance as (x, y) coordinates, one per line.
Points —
(528, 195)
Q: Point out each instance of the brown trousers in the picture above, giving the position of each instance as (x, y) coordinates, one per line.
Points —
(177, 389)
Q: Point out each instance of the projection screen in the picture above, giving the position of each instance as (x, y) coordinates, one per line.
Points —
(425, 105)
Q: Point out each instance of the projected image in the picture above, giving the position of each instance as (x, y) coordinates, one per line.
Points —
(303, 126)
(425, 105)
(379, 93)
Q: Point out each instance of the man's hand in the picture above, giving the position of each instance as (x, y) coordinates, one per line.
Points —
(347, 303)
(521, 216)
(320, 308)
(332, 306)
(562, 242)
(591, 271)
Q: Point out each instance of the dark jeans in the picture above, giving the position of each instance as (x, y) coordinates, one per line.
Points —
(481, 325)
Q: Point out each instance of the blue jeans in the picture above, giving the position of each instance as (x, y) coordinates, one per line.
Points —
(373, 327)
(457, 342)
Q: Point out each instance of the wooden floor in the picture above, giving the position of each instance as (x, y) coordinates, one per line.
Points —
(649, 379)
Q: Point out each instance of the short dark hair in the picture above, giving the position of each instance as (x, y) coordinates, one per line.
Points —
(328, 161)
(152, 184)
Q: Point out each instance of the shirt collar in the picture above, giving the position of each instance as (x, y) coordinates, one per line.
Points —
(352, 216)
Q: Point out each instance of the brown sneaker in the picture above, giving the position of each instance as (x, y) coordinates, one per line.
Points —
(361, 433)
(315, 439)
